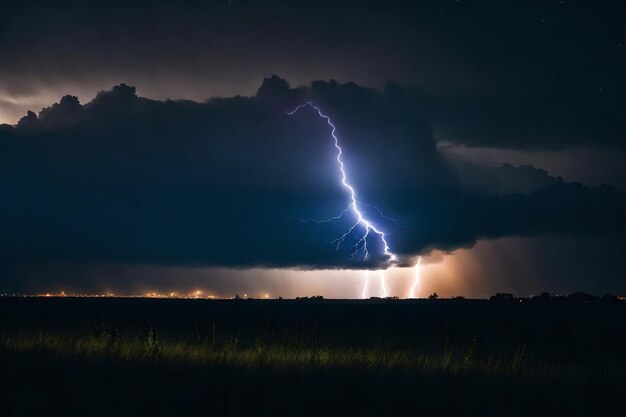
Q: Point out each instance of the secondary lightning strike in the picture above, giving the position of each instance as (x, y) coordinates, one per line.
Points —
(361, 245)
(416, 280)
(383, 285)
(367, 281)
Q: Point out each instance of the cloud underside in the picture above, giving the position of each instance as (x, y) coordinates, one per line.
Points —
(124, 179)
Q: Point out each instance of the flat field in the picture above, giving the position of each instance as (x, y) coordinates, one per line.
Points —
(133, 356)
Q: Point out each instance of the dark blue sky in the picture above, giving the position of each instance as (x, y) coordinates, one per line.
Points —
(129, 177)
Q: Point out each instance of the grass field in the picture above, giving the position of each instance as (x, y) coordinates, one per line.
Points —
(77, 356)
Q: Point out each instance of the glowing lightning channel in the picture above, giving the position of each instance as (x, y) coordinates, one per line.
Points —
(383, 285)
(416, 280)
(367, 281)
(361, 244)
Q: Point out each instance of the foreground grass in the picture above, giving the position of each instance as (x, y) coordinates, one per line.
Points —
(275, 354)
(102, 375)
(183, 358)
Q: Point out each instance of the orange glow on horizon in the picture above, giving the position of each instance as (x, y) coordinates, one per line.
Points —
(464, 272)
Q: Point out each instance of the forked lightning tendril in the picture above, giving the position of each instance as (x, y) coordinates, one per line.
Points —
(361, 245)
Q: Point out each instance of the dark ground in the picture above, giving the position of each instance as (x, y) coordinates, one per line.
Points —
(95, 356)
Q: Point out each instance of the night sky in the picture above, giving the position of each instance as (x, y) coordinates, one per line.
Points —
(146, 146)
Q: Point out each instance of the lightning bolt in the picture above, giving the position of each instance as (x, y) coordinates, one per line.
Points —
(361, 245)
(367, 281)
(383, 285)
(416, 280)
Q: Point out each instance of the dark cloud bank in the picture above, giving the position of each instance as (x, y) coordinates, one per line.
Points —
(128, 180)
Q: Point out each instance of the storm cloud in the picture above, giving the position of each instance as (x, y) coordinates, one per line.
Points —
(128, 180)
(515, 75)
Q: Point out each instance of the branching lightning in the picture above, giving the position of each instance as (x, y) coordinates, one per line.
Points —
(361, 245)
